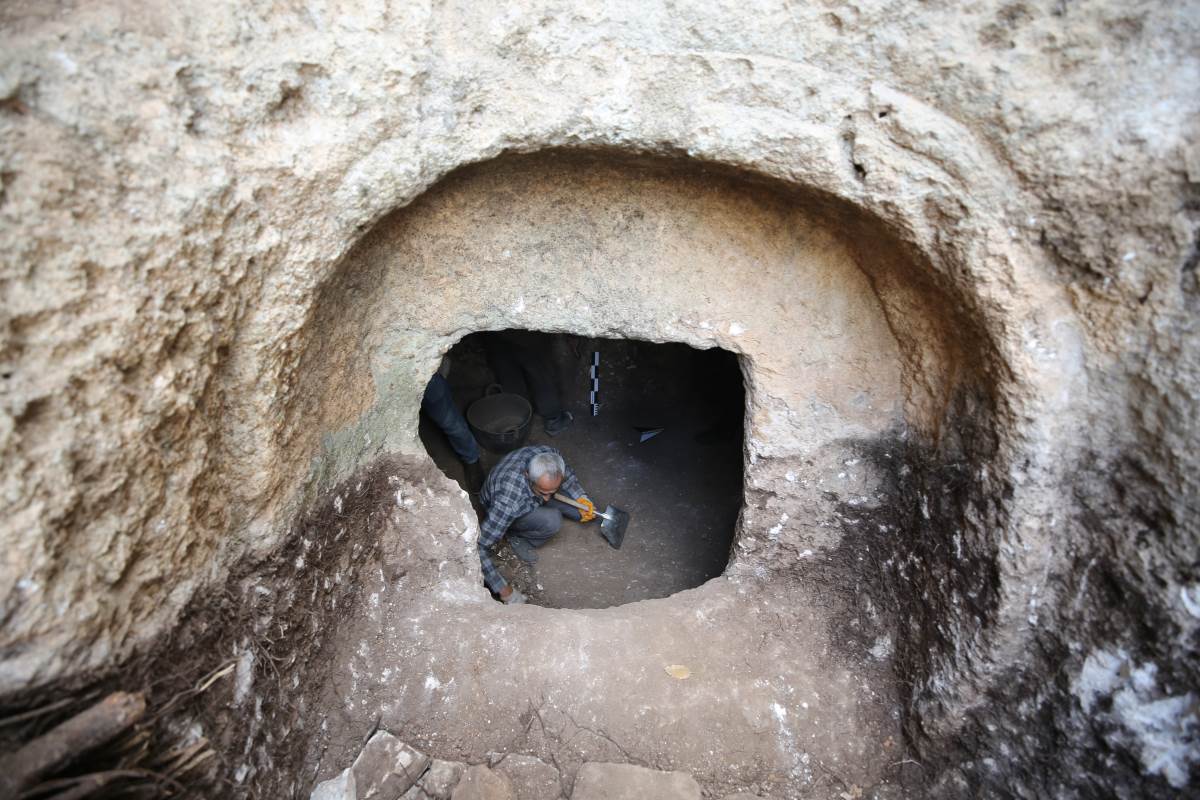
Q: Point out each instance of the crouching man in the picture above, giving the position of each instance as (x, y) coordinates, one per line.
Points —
(518, 496)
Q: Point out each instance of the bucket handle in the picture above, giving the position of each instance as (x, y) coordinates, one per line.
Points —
(495, 389)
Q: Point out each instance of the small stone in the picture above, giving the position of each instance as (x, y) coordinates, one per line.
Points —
(387, 768)
(532, 778)
(679, 672)
(440, 779)
(628, 782)
(480, 783)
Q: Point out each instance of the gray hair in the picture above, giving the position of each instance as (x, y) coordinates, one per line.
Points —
(546, 464)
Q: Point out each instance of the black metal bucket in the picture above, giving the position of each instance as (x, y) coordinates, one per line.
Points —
(500, 421)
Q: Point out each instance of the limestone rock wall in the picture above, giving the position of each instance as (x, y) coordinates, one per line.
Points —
(591, 246)
(180, 186)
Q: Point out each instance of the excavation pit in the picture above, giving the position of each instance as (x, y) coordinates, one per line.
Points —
(958, 275)
(816, 387)
(666, 446)
(857, 380)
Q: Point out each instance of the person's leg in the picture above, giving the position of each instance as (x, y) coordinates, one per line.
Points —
(533, 530)
(502, 361)
(438, 403)
(524, 370)
(540, 377)
(570, 512)
(538, 526)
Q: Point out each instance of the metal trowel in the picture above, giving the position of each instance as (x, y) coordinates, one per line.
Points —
(614, 524)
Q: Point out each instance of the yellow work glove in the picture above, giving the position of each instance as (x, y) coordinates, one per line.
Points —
(586, 514)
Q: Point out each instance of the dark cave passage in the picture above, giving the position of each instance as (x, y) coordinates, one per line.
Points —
(665, 445)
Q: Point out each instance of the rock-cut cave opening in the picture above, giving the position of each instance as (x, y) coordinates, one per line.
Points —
(804, 528)
(654, 429)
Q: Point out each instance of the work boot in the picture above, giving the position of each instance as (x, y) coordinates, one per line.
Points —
(556, 425)
(475, 476)
(523, 549)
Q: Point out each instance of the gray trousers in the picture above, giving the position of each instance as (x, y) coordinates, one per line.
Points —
(540, 525)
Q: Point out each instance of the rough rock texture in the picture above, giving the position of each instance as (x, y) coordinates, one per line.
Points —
(343, 787)
(997, 207)
(480, 783)
(387, 767)
(773, 691)
(531, 778)
(630, 782)
(441, 778)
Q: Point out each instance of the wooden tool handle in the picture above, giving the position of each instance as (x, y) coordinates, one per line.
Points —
(564, 499)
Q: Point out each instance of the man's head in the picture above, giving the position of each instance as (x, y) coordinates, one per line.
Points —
(546, 472)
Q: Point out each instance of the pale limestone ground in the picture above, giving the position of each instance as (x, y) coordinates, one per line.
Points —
(736, 682)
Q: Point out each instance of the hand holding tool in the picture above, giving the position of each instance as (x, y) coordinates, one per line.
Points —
(614, 524)
(587, 514)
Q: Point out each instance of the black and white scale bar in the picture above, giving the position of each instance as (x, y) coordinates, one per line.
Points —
(594, 393)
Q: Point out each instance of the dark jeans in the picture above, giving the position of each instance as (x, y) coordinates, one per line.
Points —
(523, 370)
(540, 525)
(438, 403)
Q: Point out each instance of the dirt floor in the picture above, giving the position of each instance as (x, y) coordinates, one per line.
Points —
(682, 496)
(682, 489)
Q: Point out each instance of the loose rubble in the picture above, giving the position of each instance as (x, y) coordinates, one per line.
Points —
(389, 769)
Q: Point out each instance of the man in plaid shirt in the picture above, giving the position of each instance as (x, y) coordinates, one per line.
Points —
(518, 496)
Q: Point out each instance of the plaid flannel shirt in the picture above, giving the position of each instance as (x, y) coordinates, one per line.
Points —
(507, 496)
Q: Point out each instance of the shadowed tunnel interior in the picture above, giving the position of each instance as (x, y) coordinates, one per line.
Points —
(665, 445)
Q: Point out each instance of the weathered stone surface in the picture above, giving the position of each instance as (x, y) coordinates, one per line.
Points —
(386, 768)
(341, 787)
(257, 256)
(481, 783)
(440, 779)
(631, 782)
(531, 778)
(187, 356)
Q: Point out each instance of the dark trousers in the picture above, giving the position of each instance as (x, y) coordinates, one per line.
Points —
(524, 371)
(540, 525)
(438, 403)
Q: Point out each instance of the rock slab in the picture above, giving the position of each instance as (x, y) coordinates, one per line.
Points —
(439, 780)
(531, 778)
(628, 782)
(340, 788)
(384, 770)
(481, 783)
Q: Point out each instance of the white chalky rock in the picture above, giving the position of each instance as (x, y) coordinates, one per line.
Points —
(340, 788)
(386, 768)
